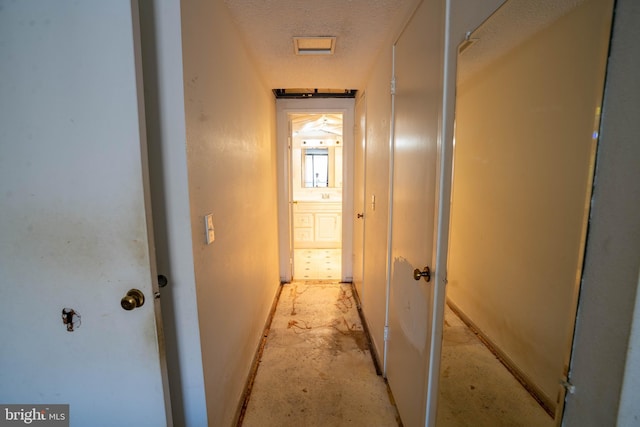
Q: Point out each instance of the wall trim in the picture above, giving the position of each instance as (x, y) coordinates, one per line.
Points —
(547, 404)
(255, 363)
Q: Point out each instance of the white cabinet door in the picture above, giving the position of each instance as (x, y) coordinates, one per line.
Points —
(328, 227)
(74, 224)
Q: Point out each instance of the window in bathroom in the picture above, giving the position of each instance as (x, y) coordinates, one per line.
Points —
(316, 167)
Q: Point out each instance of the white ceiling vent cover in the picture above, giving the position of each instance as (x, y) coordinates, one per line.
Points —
(314, 45)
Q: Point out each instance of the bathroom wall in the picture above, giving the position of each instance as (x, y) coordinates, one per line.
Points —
(523, 161)
(230, 125)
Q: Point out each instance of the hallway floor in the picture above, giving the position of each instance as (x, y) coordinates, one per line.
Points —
(316, 368)
(475, 387)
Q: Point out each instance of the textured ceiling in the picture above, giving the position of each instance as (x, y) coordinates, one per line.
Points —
(318, 125)
(362, 29)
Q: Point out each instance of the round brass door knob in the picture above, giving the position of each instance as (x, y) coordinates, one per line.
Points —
(425, 274)
(133, 299)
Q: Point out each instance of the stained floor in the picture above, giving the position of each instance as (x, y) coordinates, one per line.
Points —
(316, 368)
(476, 390)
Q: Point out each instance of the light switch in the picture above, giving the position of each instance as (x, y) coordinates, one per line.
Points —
(209, 231)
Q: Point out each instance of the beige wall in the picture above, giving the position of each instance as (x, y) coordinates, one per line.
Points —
(522, 165)
(230, 122)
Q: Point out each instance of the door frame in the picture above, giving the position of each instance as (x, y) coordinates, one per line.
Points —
(360, 165)
(146, 187)
(285, 218)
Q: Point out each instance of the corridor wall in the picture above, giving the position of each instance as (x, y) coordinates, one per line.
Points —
(230, 126)
(523, 164)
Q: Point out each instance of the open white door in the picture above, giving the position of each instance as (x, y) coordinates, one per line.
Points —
(359, 184)
(417, 105)
(74, 219)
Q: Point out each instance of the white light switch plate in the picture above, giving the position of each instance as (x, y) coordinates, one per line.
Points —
(208, 225)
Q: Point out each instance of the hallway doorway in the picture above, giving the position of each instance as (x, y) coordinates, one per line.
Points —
(316, 165)
(315, 175)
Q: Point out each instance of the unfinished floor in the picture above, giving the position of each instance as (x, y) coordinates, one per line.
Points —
(316, 368)
(476, 389)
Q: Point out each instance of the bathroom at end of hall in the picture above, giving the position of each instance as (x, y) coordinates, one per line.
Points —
(316, 164)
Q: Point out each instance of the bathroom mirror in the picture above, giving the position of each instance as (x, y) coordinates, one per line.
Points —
(315, 167)
(317, 149)
(318, 167)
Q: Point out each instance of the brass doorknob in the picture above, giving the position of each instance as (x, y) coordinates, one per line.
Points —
(426, 273)
(133, 299)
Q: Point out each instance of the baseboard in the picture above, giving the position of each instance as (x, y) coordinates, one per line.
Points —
(548, 405)
(242, 407)
(365, 327)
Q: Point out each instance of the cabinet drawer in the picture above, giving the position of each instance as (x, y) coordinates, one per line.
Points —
(303, 220)
(303, 235)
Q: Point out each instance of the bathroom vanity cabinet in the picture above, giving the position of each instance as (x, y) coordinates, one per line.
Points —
(317, 224)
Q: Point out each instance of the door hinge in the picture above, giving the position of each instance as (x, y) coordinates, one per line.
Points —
(386, 333)
(571, 389)
(393, 86)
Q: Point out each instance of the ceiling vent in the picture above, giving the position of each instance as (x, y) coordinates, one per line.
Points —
(314, 45)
